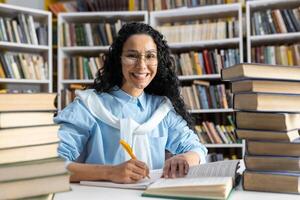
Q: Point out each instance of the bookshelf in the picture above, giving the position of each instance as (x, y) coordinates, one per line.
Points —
(268, 38)
(40, 20)
(73, 50)
(177, 17)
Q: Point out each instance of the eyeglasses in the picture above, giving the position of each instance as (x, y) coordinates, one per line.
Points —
(133, 58)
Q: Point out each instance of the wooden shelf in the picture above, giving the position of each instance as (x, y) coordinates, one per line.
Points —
(11, 46)
(224, 145)
(19, 81)
(200, 77)
(219, 110)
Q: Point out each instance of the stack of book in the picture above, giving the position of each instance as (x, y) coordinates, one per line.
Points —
(29, 164)
(267, 99)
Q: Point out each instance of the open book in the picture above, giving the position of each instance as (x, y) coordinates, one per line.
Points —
(212, 180)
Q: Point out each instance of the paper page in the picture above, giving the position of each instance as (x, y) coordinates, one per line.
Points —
(142, 184)
(214, 169)
(164, 183)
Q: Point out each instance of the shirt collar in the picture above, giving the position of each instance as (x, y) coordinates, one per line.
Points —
(121, 94)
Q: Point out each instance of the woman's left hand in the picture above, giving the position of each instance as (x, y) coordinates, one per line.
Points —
(176, 166)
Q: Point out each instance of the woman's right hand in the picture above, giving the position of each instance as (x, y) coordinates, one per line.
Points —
(129, 172)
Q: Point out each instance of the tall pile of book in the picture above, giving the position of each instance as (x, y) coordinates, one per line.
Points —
(267, 98)
(29, 164)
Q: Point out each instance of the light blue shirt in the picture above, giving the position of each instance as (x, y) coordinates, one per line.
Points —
(84, 138)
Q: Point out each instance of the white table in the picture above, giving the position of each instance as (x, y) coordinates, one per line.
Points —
(80, 192)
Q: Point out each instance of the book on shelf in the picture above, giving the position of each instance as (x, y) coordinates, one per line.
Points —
(261, 86)
(267, 121)
(212, 181)
(25, 119)
(204, 177)
(260, 71)
(276, 148)
(27, 102)
(23, 29)
(34, 186)
(205, 62)
(272, 163)
(274, 21)
(19, 137)
(248, 134)
(28, 153)
(268, 102)
(200, 30)
(23, 66)
(271, 181)
(276, 54)
(32, 169)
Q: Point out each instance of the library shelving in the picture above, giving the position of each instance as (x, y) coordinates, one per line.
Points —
(69, 49)
(272, 26)
(26, 60)
(183, 19)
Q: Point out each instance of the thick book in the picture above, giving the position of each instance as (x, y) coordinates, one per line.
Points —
(272, 163)
(27, 102)
(268, 135)
(273, 148)
(271, 182)
(32, 169)
(19, 137)
(266, 86)
(208, 181)
(260, 71)
(267, 102)
(28, 153)
(34, 186)
(23, 119)
(267, 121)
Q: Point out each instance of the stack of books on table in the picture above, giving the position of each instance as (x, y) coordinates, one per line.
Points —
(29, 163)
(267, 98)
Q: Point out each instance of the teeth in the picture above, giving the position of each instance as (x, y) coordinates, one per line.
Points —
(140, 75)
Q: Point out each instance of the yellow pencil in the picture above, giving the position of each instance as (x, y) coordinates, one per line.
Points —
(128, 149)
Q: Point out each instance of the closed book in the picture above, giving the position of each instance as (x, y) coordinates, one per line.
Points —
(267, 102)
(23, 119)
(28, 153)
(273, 148)
(282, 87)
(272, 163)
(34, 186)
(32, 169)
(27, 102)
(267, 121)
(268, 135)
(19, 137)
(271, 182)
(260, 71)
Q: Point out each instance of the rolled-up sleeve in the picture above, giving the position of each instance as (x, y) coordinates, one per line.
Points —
(181, 138)
(75, 127)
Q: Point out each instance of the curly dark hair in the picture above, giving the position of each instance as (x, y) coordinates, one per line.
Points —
(165, 82)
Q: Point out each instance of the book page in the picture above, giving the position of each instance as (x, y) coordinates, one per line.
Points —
(214, 169)
(178, 182)
(142, 184)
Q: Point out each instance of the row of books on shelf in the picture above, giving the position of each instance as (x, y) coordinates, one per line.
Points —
(208, 61)
(23, 66)
(275, 21)
(30, 164)
(210, 133)
(277, 55)
(199, 30)
(89, 34)
(82, 68)
(129, 5)
(268, 118)
(215, 156)
(202, 95)
(23, 29)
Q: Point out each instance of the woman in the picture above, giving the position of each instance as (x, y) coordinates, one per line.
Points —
(135, 97)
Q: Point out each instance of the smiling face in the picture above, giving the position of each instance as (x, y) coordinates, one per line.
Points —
(139, 63)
